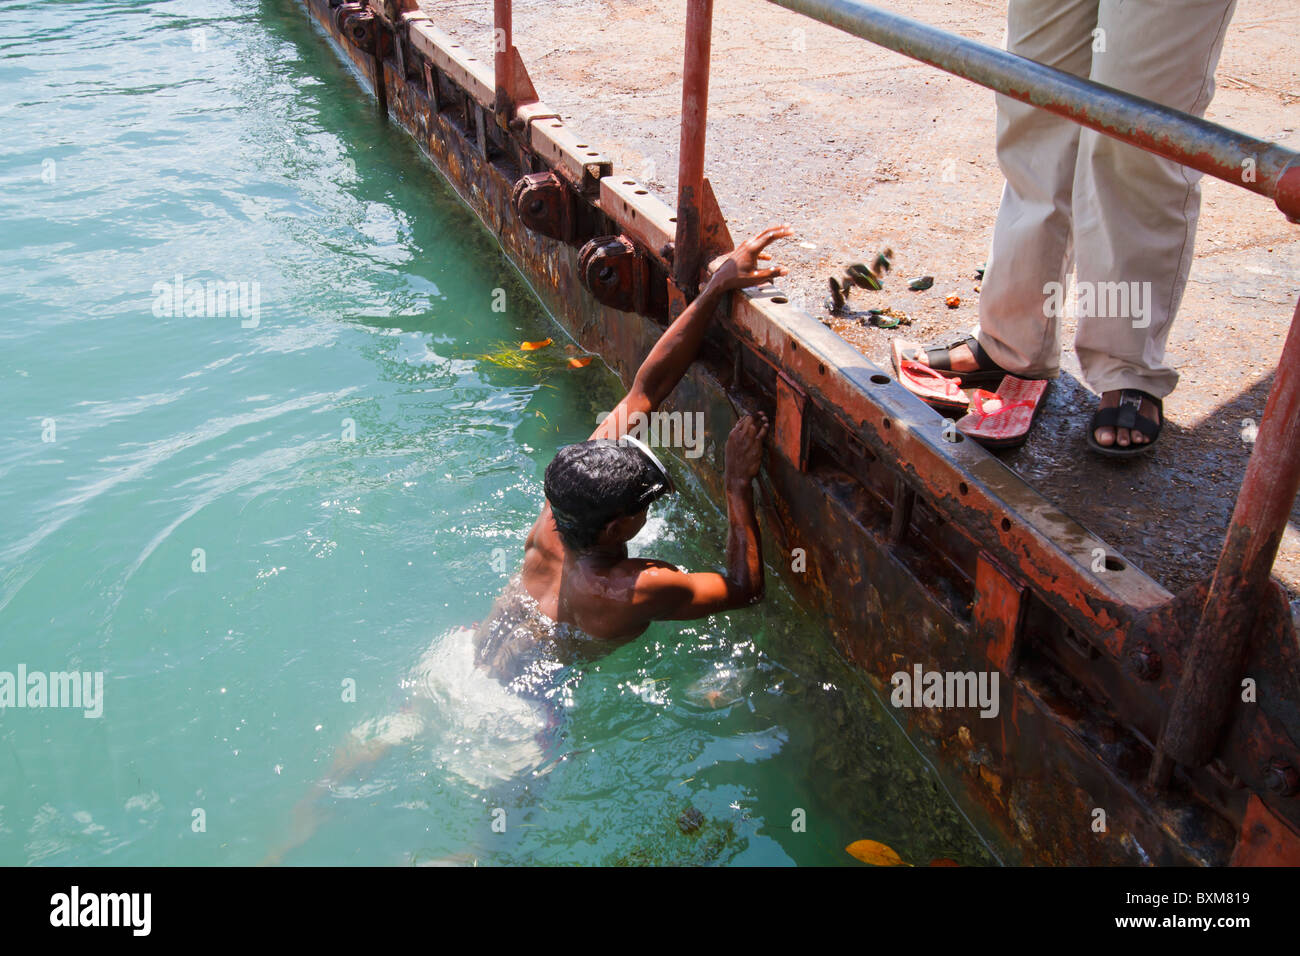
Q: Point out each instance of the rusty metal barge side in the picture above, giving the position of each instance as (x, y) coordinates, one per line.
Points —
(916, 549)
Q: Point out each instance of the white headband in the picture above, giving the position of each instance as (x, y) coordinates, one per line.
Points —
(653, 460)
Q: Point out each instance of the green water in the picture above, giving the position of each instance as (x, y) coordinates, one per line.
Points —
(237, 517)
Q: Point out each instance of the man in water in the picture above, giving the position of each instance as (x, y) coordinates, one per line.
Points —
(597, 494)
(578, 591)
(576, 570)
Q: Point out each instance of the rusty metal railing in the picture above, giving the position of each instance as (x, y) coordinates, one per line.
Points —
(1218, 650)
(1269, 169)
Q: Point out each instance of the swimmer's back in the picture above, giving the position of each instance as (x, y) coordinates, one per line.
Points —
(597, 596)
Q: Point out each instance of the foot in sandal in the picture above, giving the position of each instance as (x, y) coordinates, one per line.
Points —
(961, 356)
(1127, 422)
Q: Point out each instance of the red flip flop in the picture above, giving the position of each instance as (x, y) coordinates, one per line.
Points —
(1003, 420)
(938, 391)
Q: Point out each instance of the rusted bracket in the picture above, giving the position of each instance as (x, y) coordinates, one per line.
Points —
(526, 113)
(616, 273)
(520, 92)
(789, 432)
(1265, 840)
(357, 23)
(715, 236)
(544, 203)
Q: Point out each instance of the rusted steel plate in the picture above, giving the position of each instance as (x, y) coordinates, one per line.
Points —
(788, 434)
(999, 613)
(1031, 769)
(1083, 762)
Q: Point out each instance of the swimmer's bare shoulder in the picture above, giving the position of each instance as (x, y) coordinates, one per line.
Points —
(618, 600)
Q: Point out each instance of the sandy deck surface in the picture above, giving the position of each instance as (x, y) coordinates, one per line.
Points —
(859, 148)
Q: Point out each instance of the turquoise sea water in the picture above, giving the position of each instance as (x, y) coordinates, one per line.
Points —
(267, 527)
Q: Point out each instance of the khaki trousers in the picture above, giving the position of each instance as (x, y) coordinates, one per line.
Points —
(1123, 217)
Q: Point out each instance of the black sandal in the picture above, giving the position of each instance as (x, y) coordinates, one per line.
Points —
(1125, 415)
(939, 358)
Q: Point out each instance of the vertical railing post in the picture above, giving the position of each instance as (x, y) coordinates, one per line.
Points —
(1210, 679)
(503, 63)
(688, 247)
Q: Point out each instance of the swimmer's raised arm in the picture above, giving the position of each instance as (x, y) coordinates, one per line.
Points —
(667, 594)
(676, 349)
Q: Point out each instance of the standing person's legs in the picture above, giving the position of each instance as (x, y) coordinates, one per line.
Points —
(1037, 153)
(1135, 213)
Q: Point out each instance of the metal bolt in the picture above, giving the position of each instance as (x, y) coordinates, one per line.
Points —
(1145, 662)
(1281, 778)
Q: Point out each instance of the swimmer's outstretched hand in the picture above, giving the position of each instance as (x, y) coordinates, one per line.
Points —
(745, 448)
(739, 268)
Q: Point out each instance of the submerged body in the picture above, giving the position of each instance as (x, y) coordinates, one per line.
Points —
(492, 690)
(521, 646)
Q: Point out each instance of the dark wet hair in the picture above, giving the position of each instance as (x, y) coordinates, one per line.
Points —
(593, 482)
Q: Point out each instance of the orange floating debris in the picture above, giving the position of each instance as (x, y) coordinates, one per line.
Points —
(877, 854)
(534, 346)
(580, 362)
